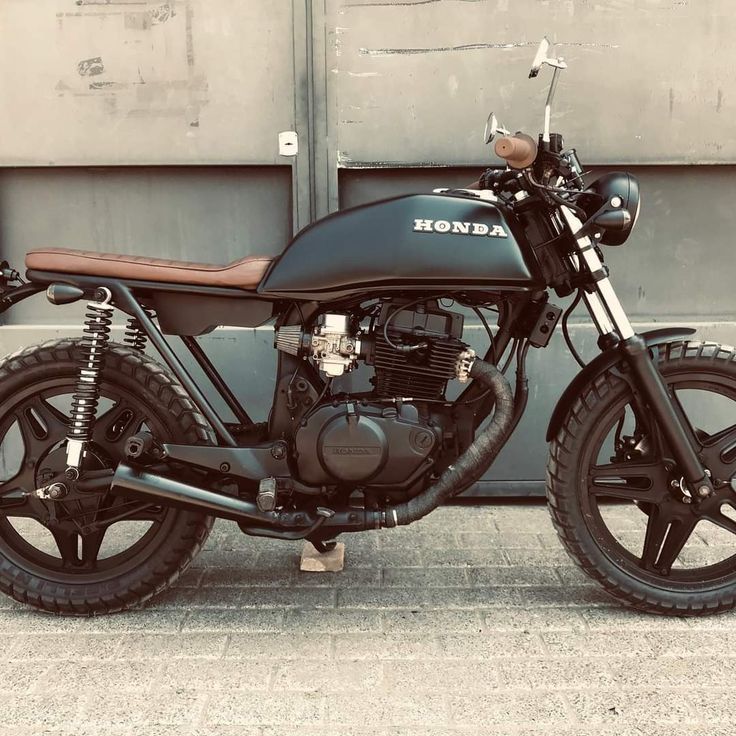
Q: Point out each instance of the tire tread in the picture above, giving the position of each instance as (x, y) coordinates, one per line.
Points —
(180, 550)
(563, 501)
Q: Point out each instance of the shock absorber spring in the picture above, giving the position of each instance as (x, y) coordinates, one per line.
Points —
(135, 337)
(96, 335)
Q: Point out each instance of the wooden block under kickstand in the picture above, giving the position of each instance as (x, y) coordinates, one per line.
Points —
(314, 561)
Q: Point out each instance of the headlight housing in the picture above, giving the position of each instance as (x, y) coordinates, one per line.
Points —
(616, 184)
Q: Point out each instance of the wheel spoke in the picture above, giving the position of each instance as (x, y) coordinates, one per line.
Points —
(665, 537)
(21, 481)
(725, 441)
(91, 544)
(720, 519)
(14, 493)
(41, 426)
(67, 542)
(630, 481)
(56, 420)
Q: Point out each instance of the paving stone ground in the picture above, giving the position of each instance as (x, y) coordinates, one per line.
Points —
(472, 621)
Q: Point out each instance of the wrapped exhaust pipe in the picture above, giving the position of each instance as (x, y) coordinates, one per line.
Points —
(473, 462)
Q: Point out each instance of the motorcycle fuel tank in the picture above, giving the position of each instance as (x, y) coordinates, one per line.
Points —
(417, 241)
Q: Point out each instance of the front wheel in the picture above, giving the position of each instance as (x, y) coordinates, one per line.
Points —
(619, 503)
(91, 552)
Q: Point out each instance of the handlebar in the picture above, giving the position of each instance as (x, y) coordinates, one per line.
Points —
(518, 150)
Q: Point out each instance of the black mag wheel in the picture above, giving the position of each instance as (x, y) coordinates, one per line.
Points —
(91, 552)
(619, 502)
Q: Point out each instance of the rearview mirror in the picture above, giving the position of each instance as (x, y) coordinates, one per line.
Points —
(540, 57)
(492, 128)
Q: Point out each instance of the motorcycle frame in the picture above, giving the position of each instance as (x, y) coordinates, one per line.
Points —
(616, 337)
(130, 296)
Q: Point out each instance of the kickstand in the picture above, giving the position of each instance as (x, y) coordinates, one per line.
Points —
(322, 546)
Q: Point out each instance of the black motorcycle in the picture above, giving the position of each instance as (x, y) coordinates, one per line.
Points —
(110, 435)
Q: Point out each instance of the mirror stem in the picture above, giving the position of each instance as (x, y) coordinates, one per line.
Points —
(548, 106)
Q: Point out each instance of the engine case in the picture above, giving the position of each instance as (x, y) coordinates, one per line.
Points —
(371, 445)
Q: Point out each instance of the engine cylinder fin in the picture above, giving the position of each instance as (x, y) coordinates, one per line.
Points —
(421, 374)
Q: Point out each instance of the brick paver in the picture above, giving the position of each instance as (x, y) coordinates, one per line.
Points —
(472, 621)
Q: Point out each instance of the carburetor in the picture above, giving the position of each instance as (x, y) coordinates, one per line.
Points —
(333, 347)
(331, 343)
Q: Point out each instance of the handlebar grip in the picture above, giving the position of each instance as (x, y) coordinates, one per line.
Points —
(519, 150)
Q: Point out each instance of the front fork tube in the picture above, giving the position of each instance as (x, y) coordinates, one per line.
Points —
(613, 324)
(649, 382)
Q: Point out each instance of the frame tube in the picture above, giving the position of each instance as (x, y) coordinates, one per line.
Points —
(216, 379)
(125, 298)
(13, 294)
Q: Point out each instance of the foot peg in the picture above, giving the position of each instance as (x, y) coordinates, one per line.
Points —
(267, 492)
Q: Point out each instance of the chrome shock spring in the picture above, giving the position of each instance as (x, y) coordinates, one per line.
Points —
(135, 337)
(96, 335)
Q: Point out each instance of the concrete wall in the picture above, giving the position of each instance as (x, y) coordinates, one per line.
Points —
(152, 127)
(119, 82)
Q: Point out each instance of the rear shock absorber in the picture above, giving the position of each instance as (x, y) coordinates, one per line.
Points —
(135, 337)
(87, 394)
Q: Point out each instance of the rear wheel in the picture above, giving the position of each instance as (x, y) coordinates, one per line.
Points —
(619, 502)
(90, 552)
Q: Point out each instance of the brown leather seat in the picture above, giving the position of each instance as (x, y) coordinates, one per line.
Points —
(243, 274)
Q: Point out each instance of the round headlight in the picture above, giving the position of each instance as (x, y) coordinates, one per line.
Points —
(619, 184)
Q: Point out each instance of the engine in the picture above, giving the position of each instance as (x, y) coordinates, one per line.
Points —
(392, 435)
(416, 351)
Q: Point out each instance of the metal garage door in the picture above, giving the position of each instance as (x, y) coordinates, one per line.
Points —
(202, 85)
